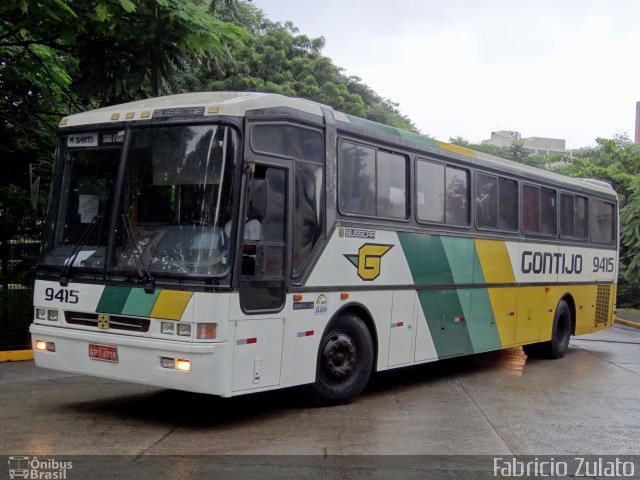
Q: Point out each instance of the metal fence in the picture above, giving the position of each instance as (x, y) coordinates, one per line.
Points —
(18, 257)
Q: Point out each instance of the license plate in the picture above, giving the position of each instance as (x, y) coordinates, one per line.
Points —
(105, 353)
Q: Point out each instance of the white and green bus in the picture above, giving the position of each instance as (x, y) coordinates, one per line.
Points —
(229, 243)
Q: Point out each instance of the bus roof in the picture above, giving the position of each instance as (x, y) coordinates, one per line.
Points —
(239, 103)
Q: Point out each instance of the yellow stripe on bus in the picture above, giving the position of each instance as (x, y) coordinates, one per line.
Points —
(495, 261)
(503, 303)
(457, 149)
(171, 304)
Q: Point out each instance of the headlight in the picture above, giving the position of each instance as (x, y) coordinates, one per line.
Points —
(184, 329)
(41, 314)
(52, 315)
(167, 328)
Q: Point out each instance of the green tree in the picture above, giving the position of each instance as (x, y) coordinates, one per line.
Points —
(128, 50)
(278, 59)
(61, 56)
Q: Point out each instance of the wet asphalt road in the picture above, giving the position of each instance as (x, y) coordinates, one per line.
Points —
(496, 404)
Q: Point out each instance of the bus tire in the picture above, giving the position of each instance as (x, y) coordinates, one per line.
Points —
(560, 335)
(345, 362)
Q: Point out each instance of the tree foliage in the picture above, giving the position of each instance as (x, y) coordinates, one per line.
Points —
(617, 161)
(279, 59)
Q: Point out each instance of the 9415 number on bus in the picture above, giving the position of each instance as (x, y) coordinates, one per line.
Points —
(603, 264)
(63, 295)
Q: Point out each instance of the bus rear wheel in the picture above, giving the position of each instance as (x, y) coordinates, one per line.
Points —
(560, 335)
(345, 362)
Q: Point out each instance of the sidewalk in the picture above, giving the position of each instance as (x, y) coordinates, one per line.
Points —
(628, 319)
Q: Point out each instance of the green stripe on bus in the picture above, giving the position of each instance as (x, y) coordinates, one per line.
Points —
(113, 299)
(426, 259)
(481, 323)
(460, 255)
(416, 137)
(483, 330)
(140, 303)
(443, 312)
(440, 260)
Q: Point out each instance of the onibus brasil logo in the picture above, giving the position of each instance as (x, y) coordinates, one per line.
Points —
(368, 261)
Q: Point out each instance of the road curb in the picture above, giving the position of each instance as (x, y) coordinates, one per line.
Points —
(628, 323)
(16, 356)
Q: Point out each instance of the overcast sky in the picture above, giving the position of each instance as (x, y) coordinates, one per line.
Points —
(549, 68)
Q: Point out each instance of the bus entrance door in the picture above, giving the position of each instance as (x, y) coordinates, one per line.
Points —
(260, 326)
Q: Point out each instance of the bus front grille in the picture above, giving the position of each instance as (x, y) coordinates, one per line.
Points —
(111, 322)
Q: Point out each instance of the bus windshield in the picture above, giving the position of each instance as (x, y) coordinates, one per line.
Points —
(174, 210)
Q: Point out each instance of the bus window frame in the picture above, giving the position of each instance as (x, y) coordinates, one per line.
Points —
(614, 222)
(298, 124)
(470, 191)
(376, 147)
(497, 176)
(539, 186)
(587, 238)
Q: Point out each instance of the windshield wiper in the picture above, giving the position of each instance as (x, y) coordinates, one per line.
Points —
(143, 271)
(64, 278)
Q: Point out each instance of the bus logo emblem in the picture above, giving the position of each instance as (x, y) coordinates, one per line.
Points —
(103, 322)
(368, 261)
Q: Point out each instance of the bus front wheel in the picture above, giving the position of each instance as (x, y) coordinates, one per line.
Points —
(560, 336)
(345, 362)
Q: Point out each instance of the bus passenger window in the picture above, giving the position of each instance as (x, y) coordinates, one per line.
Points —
(573, 216)
(538, 210)
(496, 202)
(430, 188)
(391, 185)
(507, 204)
(371, 182)
(356, 176)
(308, 213)
(548, 211)
(442, 193)
(486, 201)
(530, 209)
(288, 141)
(582, 225)
(567, 224)
(457, 195)
(602, 221)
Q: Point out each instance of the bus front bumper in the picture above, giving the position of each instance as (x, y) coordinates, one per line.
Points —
(136, 359)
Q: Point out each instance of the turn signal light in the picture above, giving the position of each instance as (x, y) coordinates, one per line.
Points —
(207, 331)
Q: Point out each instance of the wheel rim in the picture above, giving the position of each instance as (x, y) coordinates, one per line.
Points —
(338, 359)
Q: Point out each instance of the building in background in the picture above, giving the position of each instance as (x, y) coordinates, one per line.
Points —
(542, 145)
